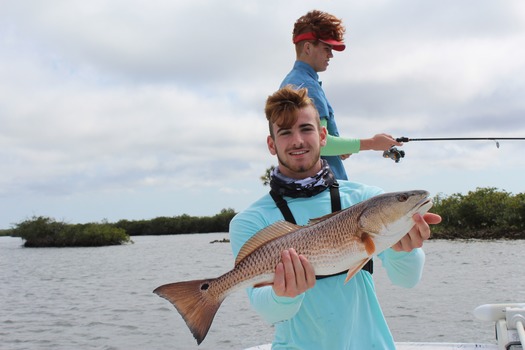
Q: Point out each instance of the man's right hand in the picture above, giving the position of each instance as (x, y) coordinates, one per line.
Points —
(293, 275)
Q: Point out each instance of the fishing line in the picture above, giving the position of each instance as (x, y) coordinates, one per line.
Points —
(396, 154)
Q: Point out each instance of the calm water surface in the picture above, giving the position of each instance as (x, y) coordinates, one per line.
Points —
(101, 298)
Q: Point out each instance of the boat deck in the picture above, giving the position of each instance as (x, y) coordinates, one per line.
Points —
(418, 346)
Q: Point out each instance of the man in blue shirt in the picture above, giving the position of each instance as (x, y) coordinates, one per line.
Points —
(324, 313)
(315, 35)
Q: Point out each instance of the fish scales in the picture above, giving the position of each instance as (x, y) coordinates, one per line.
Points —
(322, 244)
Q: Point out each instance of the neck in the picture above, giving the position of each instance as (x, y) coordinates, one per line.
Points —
(300, 175)
(304, 59)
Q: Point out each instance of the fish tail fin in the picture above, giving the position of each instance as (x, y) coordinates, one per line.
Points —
(195, 305)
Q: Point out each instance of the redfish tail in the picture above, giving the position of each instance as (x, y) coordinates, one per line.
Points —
(196, 307)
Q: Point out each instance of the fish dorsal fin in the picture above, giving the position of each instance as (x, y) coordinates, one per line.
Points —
(322, 218)
(267, 234)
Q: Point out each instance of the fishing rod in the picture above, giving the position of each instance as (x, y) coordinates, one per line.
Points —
(396, 154)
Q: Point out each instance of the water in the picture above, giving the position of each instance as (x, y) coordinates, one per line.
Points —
(101, 298)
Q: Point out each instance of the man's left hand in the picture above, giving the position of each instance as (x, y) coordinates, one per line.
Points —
(418, 234)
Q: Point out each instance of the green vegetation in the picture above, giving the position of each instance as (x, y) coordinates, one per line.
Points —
(179, 224)
(267, 176)
(46, 232)
(485, 213)
(482, 214)
(5, 232)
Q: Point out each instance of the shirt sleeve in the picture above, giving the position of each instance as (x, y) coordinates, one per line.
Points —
(265, 302)
(336, 146)
(403, 268)
(271, 307)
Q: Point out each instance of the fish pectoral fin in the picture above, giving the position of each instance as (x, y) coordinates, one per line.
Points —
(370, 246)
(352, 272)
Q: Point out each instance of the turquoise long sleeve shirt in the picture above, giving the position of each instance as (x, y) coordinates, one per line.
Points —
(331, 315)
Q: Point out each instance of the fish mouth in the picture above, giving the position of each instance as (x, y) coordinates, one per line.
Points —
(424, 205)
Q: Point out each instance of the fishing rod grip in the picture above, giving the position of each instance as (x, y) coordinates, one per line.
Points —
(402, 139)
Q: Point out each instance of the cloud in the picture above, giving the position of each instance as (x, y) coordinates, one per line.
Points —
(163, 102)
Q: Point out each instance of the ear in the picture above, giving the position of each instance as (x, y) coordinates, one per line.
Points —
(307, 48)
(271, 145)
(322, 136)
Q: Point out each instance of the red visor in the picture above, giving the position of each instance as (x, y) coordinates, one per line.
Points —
(336, 45)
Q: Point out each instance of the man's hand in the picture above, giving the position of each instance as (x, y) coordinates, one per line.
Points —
(293, 275)
(379, 142)
(418, 234)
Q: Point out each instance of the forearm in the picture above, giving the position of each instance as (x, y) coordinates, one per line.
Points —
(373, 144)
(336, 146)
(271, 307)
(403, 269)
(379, 142)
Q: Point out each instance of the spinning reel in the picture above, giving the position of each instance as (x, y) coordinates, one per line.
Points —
(394, 154)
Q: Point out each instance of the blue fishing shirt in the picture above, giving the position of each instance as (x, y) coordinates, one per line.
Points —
(332, 314)
(303, 75)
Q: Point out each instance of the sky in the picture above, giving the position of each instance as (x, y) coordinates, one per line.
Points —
(129, 109)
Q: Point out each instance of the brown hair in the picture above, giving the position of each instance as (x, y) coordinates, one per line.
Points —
(281, 107)
(324, 25)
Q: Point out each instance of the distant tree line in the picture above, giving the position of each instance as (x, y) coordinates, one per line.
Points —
(178, 224)
(47, 232)
(485, 213)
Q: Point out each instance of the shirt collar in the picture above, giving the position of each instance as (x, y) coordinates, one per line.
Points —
(305, 67)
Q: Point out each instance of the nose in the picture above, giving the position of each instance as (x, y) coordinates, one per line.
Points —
(297, 140)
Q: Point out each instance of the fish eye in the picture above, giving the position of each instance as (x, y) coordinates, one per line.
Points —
(403, 197)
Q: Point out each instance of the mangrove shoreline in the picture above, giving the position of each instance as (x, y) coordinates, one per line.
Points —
(484, 214)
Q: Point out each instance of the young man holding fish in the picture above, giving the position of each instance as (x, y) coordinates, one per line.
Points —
(310, 275)
(339, 311)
